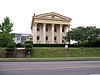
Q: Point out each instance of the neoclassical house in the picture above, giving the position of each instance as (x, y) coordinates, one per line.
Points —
(49, 28)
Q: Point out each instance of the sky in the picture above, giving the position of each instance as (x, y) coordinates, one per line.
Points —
(83, 12)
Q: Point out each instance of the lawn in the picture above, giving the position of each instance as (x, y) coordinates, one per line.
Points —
(48, 52)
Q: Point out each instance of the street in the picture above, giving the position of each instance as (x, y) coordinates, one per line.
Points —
(50, 68)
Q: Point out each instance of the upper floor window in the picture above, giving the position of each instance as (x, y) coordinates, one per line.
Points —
(38, 29)
(46, 29)
(55, 29)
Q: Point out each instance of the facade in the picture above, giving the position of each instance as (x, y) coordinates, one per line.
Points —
(21, 38)
(49, 28)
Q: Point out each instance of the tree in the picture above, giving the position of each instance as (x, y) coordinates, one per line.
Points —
(83, 33)
(92, 33)
(5, 32)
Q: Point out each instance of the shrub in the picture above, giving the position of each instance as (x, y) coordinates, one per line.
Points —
(28, 48)
(28, 42)
(28, 45)
(54, 45)
(95, 43)
(19, 45)
(92, 43)
(2, 53)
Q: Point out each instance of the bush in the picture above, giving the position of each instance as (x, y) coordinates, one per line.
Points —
(95, 43)
(2, 52)
(54, 45)
(28, 46)
(28, 42)
(92, 43)
(19, 45)
(48, 45)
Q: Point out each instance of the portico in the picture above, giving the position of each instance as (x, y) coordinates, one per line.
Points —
(49, 28)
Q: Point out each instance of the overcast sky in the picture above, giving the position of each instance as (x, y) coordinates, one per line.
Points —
(20, 12)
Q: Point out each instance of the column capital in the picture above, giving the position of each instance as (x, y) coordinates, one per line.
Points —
(35, 24)
(44, 24)
(61, 25)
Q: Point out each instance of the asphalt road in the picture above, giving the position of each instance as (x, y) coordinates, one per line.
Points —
(50, 68)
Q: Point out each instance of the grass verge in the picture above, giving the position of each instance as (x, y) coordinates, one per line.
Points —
(49, 59)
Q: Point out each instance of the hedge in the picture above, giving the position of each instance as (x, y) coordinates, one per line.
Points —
(54, 45)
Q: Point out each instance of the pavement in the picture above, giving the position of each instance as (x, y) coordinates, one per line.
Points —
(50, 68)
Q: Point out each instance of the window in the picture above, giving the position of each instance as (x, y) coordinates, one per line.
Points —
(55, 38)
(46, 29)
(38, 29)
(55, 30)
(46, 38)
(63, 30)
(52, 16)
(38, 38)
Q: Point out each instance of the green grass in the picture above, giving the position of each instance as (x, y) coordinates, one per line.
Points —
(84, 52)
(48, 52)
(49, 59)
(2, 52)
(57, 54)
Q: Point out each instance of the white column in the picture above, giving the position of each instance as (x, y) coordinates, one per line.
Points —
(52, 33)
(60, 41)
(44, 34)
(34, 33)
(66, 29)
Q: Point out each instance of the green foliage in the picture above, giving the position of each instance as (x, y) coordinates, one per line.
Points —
(11, 46)
(28, 45)
(54, 45)
(83, 33)
(4, 41)
(2, 52)
(5, 32)
(19, 45)
(30, 42)
(48, 45)
(92, 43)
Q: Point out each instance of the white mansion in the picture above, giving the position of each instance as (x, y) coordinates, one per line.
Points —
(49, 28)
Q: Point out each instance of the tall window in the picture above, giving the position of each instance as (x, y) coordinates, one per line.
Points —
(55, 29)
(63, 30)
(38, 37)
(46, 38)
(38, 29)
(46, 29)
(55, 38)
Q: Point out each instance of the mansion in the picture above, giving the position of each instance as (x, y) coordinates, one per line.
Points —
(49, 28)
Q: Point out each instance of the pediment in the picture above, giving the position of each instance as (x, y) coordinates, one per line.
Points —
(52, 15)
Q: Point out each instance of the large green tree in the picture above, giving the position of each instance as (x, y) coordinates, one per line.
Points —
(5, 32)
(83, 33)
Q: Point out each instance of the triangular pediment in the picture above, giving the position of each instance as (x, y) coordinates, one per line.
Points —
(52, 15)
